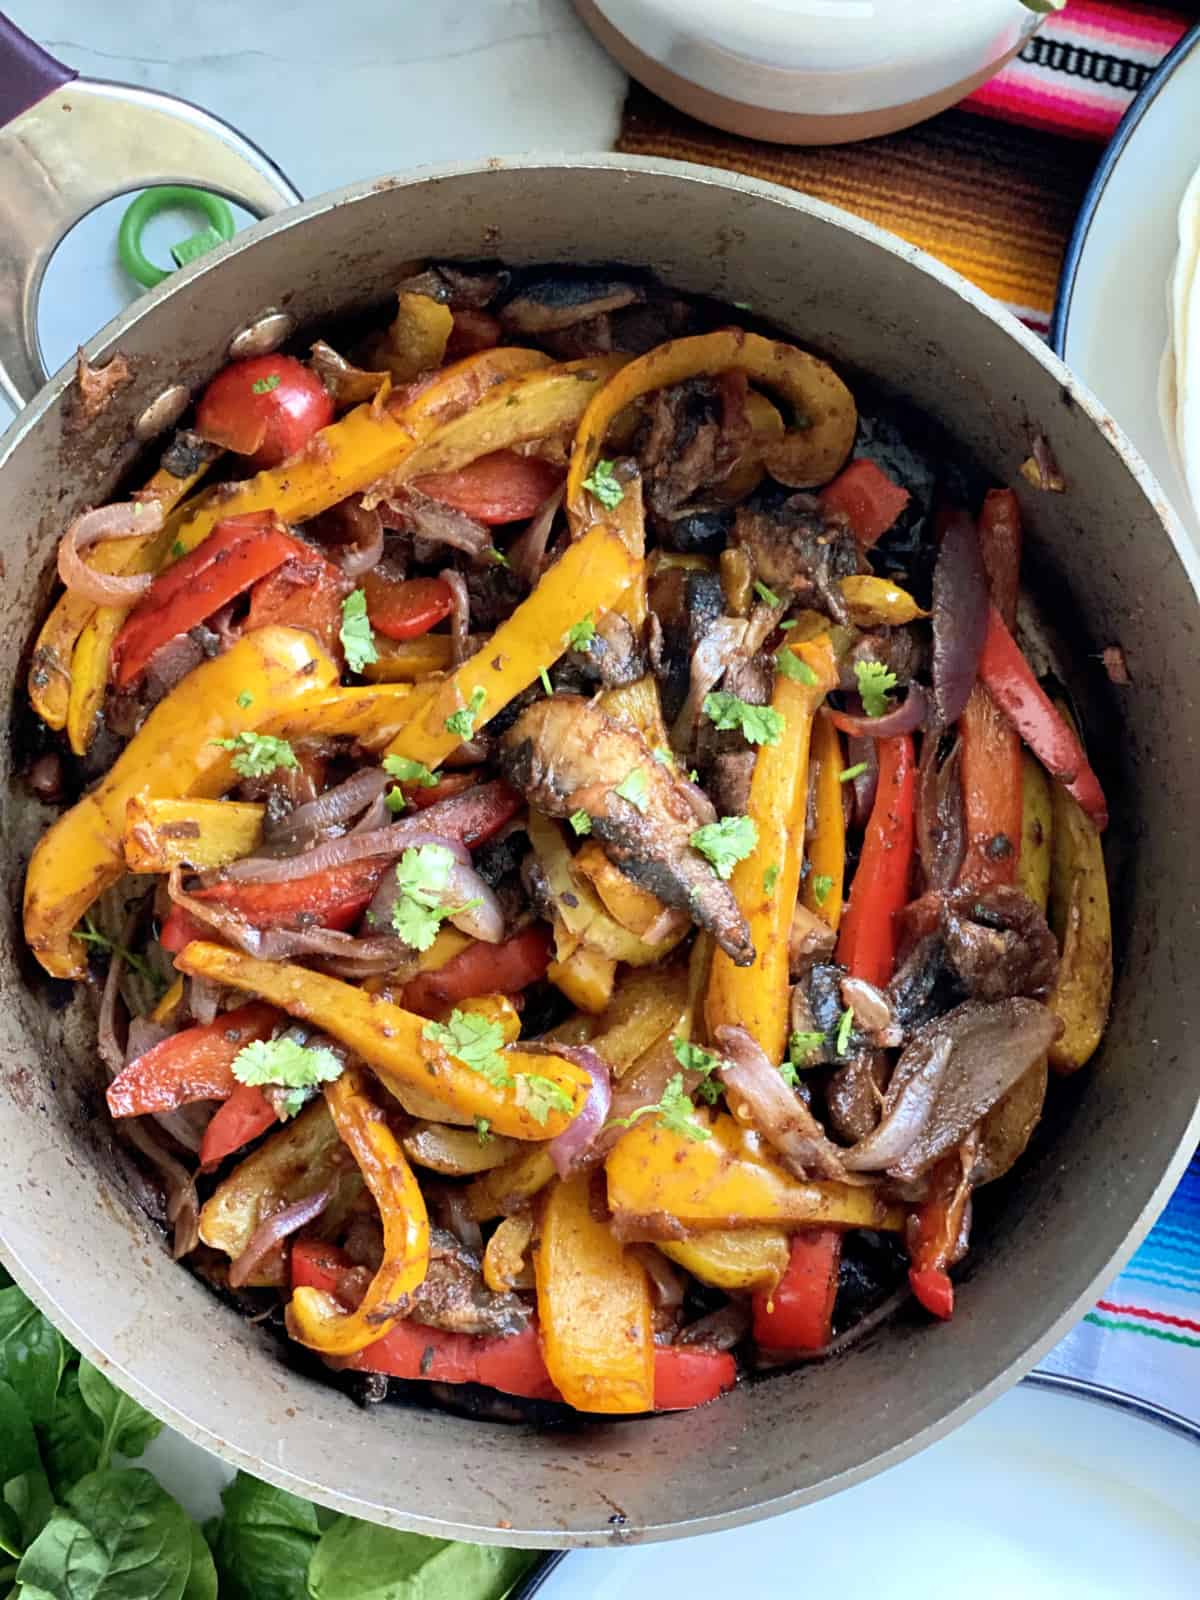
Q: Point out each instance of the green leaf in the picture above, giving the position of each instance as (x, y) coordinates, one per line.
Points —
(771, 878)
(725, 843)
(674, 1110)
(790, 666)
(65, 1561)
(694, 1057)
(245, 699)
(801, 1047)
(18, 1446)
(202, 1575)
(127, 1426)
(848, 774)
(286, 1062)
(603, 484)
(257, 755)
(580, 634)
(70, 1441)
(29, 1498)
(462, 723)
(360, 1561)
(358, 641)
(540, 1096)
(635, 788)
(874, 683)
(473, 1040)
(581, 822)
(405, 770)
(264, 1543)
(845, 1028)
(423, 874)
(757, 724)
(121, 1537)
(767, 596)
(32, 1354)
(265, 385)
(821, 885)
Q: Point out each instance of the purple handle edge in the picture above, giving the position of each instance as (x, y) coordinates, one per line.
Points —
(27, 72)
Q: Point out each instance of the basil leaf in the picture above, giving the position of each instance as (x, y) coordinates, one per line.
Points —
(126, 1427)
(18, 1447)
(32, 1354)
(202, 1578)
(265, 1542)
(359, 1561)
(145, 1535)
(70, 1441)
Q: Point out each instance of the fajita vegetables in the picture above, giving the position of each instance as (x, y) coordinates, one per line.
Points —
(580, 879)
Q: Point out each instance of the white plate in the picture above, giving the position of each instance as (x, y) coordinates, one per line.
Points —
(1110, 323)
(1045, 1495)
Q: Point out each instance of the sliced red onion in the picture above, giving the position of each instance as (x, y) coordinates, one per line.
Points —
(909, 714)
(110, 1050)
(308, 824)
(221, 623)
(905, 1119)
(527, 552)
(862, 753)
(118, 521)
(460, 616)
(667, 1283)
(183, 1203)
(777, 1111)
(367, 550)
(203, 998)
(577, 1138)
(482, 920)
(720, 1329)
(960, 617)
(428, 519)
(271, 1233)
(377, 815)
(143, 1035)
(940, 824)
(709, 660)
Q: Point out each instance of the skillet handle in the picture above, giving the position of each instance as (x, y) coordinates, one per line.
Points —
(68, 144)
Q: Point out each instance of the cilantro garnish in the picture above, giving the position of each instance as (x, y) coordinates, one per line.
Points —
(257, 755)
(498, 556)
(245, 700)
(90, 934)
(848, 774)
(405, 770)
(483, 1130)
(285, 1062)
(580, 634)
(770, 878)
(267, 384)
(540, 1096)
(546, 684)
(663, 757)
(474, 1041)
(767, 596)
(821, 885)
(603, 484)
(791, 666)
(462, 723)
(874, 681)
(423, 874)
(635, 788)
(801, 1047)
(694, 1057)
(178, 549)
(725, 843)
(358, 641)
(674, 1110)
(394, 800)
(845, 1027)
(581, 822)
(757, 724)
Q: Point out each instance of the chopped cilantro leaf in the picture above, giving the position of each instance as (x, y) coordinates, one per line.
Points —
(540, 1096)
(462, 723)
(635, 788)
(767, 596)
(757, 724)
(483, 1130)
(603, 484)
(789, 1074)
(499, 557)
(581, 822)
(293, 1102)
(801, 1047)
(178, 549)
(245, 700)
(546, 684)
(874, 682)
(406, 770)
(674, 1110)
(848, 774)
(423, 875)
(791, 666)
(257, 755)
(394, 800)
(285, 1062)
(358, 641)
(725, 843)
(821, 885)
(473, 1040)
(694, 1057)
(845, 1027)
(770, 878)
(580, 634)
(787, 626)
(663, 757)
(267, 384)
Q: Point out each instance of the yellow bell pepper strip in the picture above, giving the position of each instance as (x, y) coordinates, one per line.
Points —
(824, 883)
(664, 1185)
(370, 713)
(809, 453)
(1037, 832)
(507, 1189)
(591, 575)
(166, 1008)
(504, 1257)
(767, 881)
(737, 1261)
(51, 672)
(415, 342)
(637, 705)
(175, 753)
(876, 602)
(409, 660)
(202, 834)
(594, 1308)
(1080, 917)
(302, 1157)
(393, 1043)
(646, 1007)
(585, 977)
(316, 1318)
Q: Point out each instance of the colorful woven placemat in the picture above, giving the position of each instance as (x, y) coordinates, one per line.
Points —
(991, 187)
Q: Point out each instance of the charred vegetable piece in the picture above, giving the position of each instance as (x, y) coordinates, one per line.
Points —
(175, 753)
(161, 834)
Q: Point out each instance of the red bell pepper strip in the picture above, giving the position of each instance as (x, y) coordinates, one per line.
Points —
(194, 1064)
(934, 1290)
(245, 1115)
(502, 487)
(420, 797)
(935, 1233)
(868, 497)
(798, 1313)
(868, 936)
(180, 929)
(335, 898)
(991, 746)
(305, 592)
(405, 608)
(235, 555)
(688, 1375)
(1020, 696)
(481, 969)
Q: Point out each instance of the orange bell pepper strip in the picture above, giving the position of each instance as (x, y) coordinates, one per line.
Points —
(756, 997)
(393, 1042)
(594, 1307)
(797, 1314)
(935, 1229)
(991, 746)
(869, 935)
(810, 452)
(824, 884)
(315, 1318)
(194, 1064)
